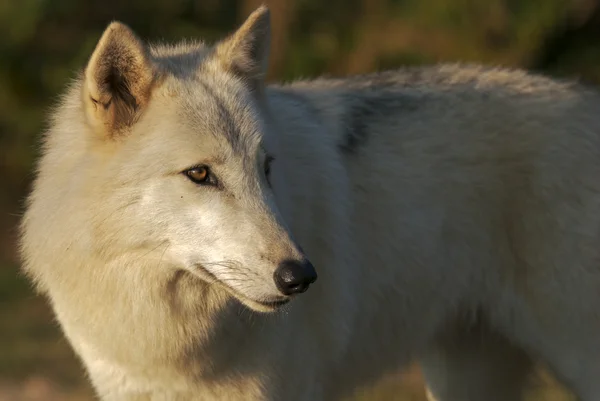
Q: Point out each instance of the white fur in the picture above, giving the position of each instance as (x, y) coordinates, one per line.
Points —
(463, 229)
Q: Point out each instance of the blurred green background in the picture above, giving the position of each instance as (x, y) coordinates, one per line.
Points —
(44, 42)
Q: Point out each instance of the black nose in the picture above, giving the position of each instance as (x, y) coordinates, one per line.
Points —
(294, 276)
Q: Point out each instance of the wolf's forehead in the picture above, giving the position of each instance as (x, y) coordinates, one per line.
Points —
(223, 111)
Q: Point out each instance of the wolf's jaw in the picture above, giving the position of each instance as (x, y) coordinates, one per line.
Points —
(263, 306)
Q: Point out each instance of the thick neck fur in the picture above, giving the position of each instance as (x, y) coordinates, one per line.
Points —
(162, 323)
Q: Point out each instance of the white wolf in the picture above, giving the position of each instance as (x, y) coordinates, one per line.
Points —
(452, 214)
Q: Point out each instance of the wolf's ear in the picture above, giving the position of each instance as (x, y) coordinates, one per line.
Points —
(118, 81)
(245, 53)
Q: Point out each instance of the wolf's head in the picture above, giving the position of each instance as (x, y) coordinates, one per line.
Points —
(178, 137)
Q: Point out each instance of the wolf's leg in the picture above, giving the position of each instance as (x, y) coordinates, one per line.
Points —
(475, 367)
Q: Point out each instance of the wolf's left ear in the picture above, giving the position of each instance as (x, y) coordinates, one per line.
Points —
(245, 53)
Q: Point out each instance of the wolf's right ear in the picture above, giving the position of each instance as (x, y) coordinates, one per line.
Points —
(245, 53)
(118, 81)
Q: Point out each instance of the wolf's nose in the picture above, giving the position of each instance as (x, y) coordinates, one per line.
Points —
(294, 277)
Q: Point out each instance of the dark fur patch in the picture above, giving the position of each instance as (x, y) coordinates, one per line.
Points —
(365, 108)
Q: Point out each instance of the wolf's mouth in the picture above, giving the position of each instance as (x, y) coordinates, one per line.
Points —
(275, 303)
(260, 306)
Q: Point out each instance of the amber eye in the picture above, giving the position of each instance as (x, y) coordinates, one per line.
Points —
(198, 175)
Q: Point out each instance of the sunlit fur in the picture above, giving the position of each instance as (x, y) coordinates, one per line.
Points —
(452, 214)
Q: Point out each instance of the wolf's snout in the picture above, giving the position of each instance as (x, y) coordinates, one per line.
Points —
(294, 277)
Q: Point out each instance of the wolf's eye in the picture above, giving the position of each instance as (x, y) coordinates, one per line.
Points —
(267, 167)
(198, 175)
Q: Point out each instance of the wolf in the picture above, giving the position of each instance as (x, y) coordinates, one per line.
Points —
(447, 214)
